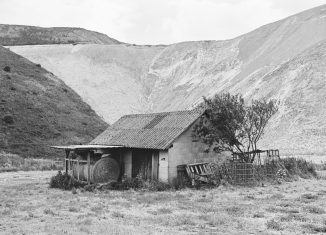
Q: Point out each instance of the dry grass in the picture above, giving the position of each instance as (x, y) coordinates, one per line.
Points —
(28, 205)
(13, 162)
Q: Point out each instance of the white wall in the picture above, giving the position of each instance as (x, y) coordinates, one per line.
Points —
(186, 151)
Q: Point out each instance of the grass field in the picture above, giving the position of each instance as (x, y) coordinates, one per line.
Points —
(28, 206)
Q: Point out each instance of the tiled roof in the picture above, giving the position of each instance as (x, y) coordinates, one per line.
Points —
(151, 131)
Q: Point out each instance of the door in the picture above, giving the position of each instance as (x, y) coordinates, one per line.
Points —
(142, 163)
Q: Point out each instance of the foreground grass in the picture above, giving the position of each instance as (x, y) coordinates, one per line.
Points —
(28, 206)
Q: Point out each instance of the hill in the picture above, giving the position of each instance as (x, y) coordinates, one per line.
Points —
(38, 110)
(32, 35)
(283, 60)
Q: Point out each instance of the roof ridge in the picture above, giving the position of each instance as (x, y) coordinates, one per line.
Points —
(169, 112)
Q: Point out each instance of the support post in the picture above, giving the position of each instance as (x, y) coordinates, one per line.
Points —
(78, 169)
(89, 167)
(66, 160)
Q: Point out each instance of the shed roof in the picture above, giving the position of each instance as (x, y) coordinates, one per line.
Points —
(150, 131)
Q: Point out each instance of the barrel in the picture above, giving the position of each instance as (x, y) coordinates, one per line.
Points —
(104, 170)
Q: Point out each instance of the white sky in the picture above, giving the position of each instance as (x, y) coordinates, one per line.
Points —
(154, 21)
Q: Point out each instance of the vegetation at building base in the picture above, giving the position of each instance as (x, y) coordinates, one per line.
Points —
(287, 169)
(230, 125)
(67, 182)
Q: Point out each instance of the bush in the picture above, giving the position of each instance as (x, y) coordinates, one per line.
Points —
(64, 181)
(7, 69)
(8, 119)
(300, 167)
(138, 183)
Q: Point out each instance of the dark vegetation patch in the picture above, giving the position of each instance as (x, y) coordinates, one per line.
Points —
(64, 181)
(314, 228)
(8, 119)
(7, 69)
(274, 225)
(299, 167)
(138, 183)
(315, 210)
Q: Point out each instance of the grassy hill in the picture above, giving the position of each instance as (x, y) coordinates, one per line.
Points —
(31, 35)
(38, 110)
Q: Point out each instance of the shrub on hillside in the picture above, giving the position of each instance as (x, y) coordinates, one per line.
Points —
(7, 69)
(9, 119)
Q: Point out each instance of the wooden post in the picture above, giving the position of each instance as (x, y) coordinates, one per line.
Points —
(67, 159)
(121, 166)
(78, 169)
(69, 165)
(89, 167)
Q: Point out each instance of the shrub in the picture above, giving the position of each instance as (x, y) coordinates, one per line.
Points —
(7, 69)
(64, 181)
(8, 119)
(138, 183)
(274, 225)
(315, 210)
(300, 167)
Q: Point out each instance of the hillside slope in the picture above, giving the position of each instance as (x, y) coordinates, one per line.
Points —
(32, 35)
(38, 110)
(273, 61)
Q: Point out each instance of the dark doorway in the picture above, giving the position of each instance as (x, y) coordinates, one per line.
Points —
(142, 163)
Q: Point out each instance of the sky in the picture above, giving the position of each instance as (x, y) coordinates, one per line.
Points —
(154, 21)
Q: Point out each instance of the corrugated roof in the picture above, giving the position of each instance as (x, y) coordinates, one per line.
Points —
(86, 146)
(151, 131)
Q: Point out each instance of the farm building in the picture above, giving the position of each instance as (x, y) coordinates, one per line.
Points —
(147, 145)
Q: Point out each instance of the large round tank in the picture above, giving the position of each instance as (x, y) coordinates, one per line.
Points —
(104, 170)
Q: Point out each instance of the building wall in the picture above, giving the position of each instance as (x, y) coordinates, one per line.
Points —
(185, 151)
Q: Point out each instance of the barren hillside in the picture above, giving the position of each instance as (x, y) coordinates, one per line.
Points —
(284, 60)
(38, 110)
